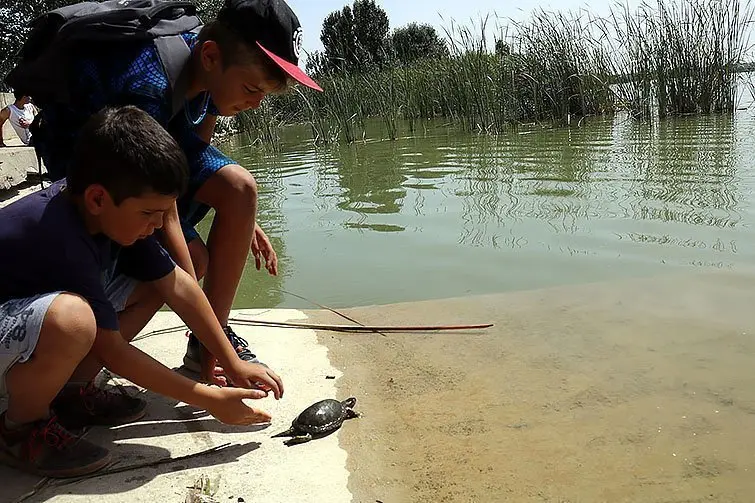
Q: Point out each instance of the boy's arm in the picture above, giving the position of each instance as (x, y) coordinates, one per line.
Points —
(135, 365)
(172, 238)
(4, 114)
(207, 127)
(187, 299)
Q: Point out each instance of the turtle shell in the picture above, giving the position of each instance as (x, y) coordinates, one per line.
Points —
(321, 417)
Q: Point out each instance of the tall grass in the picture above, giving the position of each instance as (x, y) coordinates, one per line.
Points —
(679, 57)
(672, 57)
(561, 66)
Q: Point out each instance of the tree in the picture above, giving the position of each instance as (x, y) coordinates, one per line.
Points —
(355, 37)
(17, 14)
(338, 39)
(370, 32)
(15, 17)
(415, 41)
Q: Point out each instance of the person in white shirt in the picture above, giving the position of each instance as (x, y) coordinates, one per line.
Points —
(20, 114)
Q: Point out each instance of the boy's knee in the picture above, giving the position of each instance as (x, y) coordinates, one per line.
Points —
(242, 187)
(71, 315)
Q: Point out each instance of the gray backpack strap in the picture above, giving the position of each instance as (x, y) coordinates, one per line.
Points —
(174, 54)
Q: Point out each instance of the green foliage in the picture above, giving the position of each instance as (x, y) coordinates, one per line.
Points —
(208, 9)
(415, 41)
(15, 17)
(338, 39)
(370, 33)
(354, 38)
(554, 69)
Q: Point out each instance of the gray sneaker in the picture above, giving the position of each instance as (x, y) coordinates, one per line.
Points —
(46, 448)
(193, 356)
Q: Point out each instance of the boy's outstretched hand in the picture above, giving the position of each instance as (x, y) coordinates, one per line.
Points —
(255, 376)
(245, 375)
(229, 408)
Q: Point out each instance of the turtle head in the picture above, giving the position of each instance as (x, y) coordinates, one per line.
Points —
(349, 403)
(348, 407)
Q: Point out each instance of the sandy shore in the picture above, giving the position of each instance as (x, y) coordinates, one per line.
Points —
(635, 391)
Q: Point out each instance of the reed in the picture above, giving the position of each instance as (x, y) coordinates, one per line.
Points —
(679, 57)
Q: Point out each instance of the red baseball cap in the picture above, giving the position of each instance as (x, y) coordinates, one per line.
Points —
(274, 28)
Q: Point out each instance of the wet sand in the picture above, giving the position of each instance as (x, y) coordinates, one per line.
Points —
(642, 390)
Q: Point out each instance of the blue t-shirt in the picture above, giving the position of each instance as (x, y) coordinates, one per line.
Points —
(45, 247)
(129, 74)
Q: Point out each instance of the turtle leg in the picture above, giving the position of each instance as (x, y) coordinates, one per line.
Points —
(351, 414)
(298, 439)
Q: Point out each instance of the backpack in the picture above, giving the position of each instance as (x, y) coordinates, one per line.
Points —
(57, 34)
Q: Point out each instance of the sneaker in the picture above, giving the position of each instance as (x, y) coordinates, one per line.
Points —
(46, 448)
(81, 406)
(193, 357)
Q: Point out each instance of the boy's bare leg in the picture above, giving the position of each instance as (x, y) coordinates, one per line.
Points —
(232, 192)
(67, 334)
(200, 257)
(141, 307)
(80, 403)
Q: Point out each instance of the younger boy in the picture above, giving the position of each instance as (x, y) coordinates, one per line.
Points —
(248, 52)
(80, 275)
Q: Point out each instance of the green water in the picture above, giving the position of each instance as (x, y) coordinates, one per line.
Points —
(444, 213)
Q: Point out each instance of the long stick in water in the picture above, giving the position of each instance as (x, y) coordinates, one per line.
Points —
(360, 328)
(320, 306)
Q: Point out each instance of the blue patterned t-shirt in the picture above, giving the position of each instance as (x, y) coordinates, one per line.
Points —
(129, 74)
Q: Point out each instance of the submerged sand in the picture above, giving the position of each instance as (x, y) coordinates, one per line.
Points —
(642, 390)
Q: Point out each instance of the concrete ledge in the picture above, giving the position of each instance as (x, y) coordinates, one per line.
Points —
(255, 468)
(15, 162)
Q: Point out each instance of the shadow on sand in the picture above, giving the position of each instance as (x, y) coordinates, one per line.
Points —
(165, 418)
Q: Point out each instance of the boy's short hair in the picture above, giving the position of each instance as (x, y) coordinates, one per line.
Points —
(234, 50)
(18, 94)
(129, 154)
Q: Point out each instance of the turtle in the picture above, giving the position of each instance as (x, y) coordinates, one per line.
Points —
(319, 419)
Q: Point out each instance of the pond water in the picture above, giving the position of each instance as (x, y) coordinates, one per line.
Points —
(444, 213)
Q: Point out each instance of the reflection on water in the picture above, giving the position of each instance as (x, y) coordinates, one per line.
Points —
(449, 214)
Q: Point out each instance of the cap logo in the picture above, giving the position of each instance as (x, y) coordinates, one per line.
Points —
(297, 41)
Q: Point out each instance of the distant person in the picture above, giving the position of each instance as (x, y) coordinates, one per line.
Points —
(80, 276)
(228, 65)
(21, 114)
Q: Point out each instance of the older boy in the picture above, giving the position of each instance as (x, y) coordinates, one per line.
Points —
(249, 51)
(80, 275)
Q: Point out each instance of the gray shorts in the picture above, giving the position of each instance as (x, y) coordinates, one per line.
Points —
(21, 321)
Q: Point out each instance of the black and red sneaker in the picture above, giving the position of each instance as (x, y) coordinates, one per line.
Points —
(80, 406)
(46, 448)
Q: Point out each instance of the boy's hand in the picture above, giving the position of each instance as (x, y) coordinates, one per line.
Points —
(211, 373)
(262, 248)
(255, 376)
(230, 409)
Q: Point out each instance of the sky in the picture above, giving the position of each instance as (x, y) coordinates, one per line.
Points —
(438, 13)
